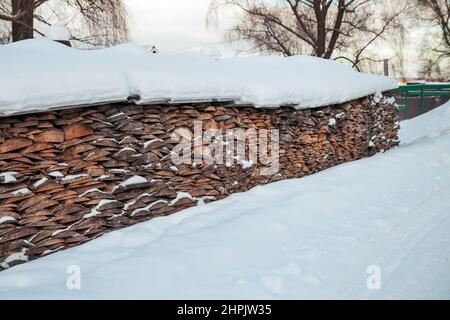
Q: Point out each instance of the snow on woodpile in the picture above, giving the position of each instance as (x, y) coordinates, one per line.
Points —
(42, 74)
(70, 176)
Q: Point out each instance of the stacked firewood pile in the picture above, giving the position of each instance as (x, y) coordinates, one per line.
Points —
(72, 175)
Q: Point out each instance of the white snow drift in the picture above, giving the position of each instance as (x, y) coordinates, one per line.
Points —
(57, 33)
(308, 238)
(48, 75)
(431, 124)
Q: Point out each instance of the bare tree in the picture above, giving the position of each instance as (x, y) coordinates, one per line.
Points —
(382, 36)
(340, 29)
(436, 15)
(99, 22)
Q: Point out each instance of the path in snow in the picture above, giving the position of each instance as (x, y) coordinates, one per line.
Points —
(307, 238)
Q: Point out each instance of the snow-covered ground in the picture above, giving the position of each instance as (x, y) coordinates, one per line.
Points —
(429, 125)
(314, 237)
(65, 77)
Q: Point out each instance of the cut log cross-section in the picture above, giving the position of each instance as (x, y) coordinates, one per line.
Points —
(14, 144)
(74, 131)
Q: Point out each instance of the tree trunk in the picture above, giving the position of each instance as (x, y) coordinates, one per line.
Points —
(321, 16)
(337, 29)
(22, 28)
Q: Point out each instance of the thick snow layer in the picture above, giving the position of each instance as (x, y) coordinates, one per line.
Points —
(431, 124)
(57, 33)
(53, 75)
(314, 237)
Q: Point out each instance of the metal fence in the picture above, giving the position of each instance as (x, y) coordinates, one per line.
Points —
(422, 92)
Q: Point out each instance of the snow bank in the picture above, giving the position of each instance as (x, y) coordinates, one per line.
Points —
(48, 74)
(60, 33)
(428, 125)
(304, 238)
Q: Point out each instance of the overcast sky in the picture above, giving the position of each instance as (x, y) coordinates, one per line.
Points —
(180, 25)
(173, 25)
